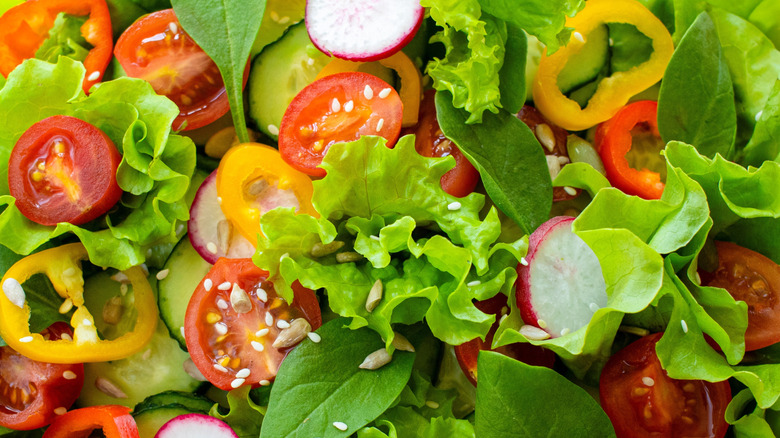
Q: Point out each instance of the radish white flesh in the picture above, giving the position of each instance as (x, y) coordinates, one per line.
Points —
(195, 425)
(210, 232)
(562, 285)
(362, 30)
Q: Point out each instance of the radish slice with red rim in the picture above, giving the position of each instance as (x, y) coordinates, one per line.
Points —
(362, 30)
(194, 425)
(210, 233)
(560, 286)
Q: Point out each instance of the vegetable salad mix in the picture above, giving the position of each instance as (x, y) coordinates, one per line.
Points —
(389, 219)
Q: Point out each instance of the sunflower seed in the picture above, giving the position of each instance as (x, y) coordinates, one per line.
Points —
(374, 296)
(322, 249)
(292, 335)
(348, 257)
(109, 388)
(376, 360)
(113, 310)
(533, 333)
(401, 343)
(193, 371)
(239, 299)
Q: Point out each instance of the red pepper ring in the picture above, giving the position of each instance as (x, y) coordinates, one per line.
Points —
(114, 420)
(613, 140)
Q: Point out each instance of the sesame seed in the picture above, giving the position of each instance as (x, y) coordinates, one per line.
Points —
(221, 328)
(374, 237)
(379, 124)
(368, 92)
(181, 329)
(225, 286)
(262, 332)
(611, 42)
(541, 323)
(759, 114)
(262, 295)
(684, 326)
(66, 337)
(257, 346)
(593, 307)
(207, 284)
(282, 324)
(523, 261)
(162, 274)
(211, 247)
(273, 129)
(269, 319)
(473, 283)
(546, 136)
(69, 272)
(219, 200)
(237, 382)
(93, 76)
(314, 337)
(60, 410)
(533, 333)
(340, 426)
(86, 322)
(69, 375)
(222, 304)
(349, 105)
(310, 61)
(453, 206)
(219, 367)
(264, 382)
(243, 373)
(565, 331)
(335, 105)
(284, 20)
(26, 339)
(648, 381)
(570, 190)
(432, 404)
(274, 16)
(14, 292)
(384, 93)
(173, 27)
(578, 36)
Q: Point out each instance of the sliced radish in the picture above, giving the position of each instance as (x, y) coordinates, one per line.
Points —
(560, 284)
(195, 425)
(211, 234)
(362, 30)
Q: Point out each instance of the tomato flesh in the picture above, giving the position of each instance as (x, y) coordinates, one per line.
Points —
(30, 391)
(755, 279)
(337, 108)
(63, 169)
(641, 400)
(156, 49)
(225, 344)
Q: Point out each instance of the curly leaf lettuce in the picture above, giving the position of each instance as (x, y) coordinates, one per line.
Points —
(432, 252)
(154, 173)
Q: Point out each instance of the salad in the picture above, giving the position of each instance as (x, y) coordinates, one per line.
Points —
(385, 219)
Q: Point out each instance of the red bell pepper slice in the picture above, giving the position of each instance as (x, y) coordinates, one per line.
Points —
(25, 27)
(114, 420)
(613, 140)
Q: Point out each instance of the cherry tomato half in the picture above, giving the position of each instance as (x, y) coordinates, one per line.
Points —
(337, 108)
(755, 279)
(31, 391)
(156, 49)
(467, 353)
(431, 142)
(641, 400)
(63, 169)
(225, 344)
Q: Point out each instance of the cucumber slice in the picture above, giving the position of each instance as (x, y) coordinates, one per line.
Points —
(585, 65)
(187, 400)
(278, 17)
(186, 268)
(278, 74)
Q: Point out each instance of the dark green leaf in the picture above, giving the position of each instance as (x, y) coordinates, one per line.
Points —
(515, 399)
(511, 77)
(696, 103)
(319, 384)
(225, 30)
(508, 157)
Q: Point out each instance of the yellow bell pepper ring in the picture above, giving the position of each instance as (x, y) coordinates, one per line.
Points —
(613, 92)
(63, 267)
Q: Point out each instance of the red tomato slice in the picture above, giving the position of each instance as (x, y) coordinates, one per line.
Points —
(468, 352)
(233, 349)
(63, 169)
(337, 108)
(157, 50)
(431, 142)
(33, 394)
(641, 400)
(755, 279)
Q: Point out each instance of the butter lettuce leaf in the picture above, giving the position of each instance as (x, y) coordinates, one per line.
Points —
(154, 173)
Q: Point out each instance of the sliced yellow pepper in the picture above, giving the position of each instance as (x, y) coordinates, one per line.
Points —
(63, 267)
(612, 92)
(411, 81)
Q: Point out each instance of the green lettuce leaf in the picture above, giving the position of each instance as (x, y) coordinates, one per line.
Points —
(244, 416)
(65, 39)
(764, 145)
(154, 173)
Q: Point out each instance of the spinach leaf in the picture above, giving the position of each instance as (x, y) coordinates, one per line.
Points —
(225, 30)
(511, 77)
(319, 384)
(696, 102)
(515, 399)
(508, 157)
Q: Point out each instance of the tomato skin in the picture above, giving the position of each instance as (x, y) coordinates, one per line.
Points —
(63, 169)
(53, 389)
(156, 48)
(232, 348)
(467, 353)
(431, 142)
(641, 400)
(310, 125)
(754, 278)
